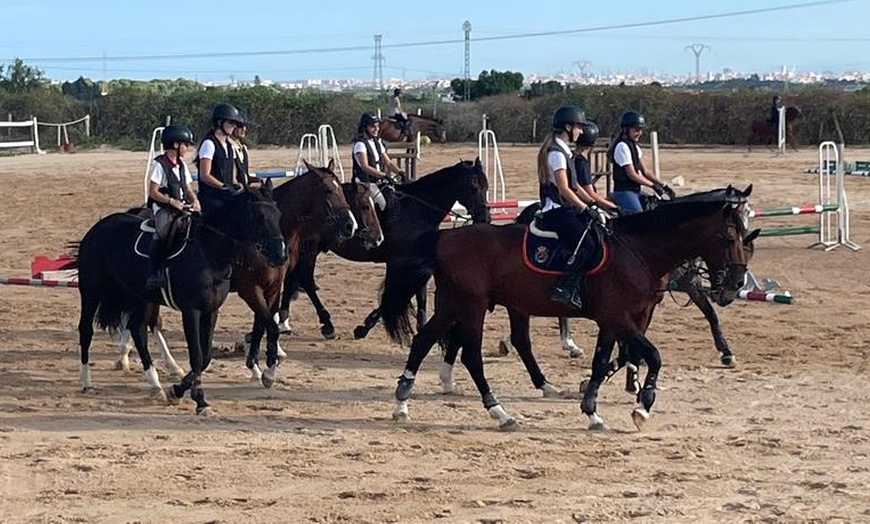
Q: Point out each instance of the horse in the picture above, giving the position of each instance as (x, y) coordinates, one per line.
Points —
(313, 211)
(112, 277)
(414, 208)
(766, 132)
(369, 234)
(480, 266)
(687, 278)
(431, 127)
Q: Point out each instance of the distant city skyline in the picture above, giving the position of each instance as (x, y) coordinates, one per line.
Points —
(284, 41)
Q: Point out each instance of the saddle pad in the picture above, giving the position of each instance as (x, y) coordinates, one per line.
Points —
(549, 256)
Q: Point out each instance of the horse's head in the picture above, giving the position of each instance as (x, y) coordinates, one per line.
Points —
(429, 126)
(727, 257)
(363, 208)
(473, 191)
(792, 113)
(326, 204)
(254, 219)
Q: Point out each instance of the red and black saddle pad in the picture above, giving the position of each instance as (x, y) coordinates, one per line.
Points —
(549, 256)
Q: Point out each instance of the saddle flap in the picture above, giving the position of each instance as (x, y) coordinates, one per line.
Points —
(536, 228)
(147, 226)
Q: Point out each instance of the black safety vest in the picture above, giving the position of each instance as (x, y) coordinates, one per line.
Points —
(358, 172)
(221, 164)
(621, 181)
(549, 189)
(174, 185)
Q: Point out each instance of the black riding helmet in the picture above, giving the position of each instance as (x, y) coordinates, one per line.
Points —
(568, 115)
(243, 120)
(633, 119)
(589, 136)
(225, 112)
(367, 119)
(176, 133)
(397, 91)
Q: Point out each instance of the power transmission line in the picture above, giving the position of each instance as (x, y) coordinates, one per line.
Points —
(230, 54)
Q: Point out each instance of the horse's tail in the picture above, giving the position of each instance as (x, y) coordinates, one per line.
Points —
(404, 278)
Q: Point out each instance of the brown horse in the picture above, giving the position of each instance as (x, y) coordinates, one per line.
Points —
(481, 266)
(765, 132)
(431, 127)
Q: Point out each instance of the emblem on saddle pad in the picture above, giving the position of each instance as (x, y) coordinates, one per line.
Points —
(542, 254)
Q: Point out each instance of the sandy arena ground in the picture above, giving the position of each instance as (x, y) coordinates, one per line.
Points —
(783, 437)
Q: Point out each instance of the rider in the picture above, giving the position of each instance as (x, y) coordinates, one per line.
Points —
(629, 171)
(399, 114)
(563, 210)
(584, 172)
(774, 110)
(371, 163)
(215, 161)
(241, 156)
(170, 191)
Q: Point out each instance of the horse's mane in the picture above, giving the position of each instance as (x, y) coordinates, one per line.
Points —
(434, 181)
(283, 188)
(671, 213)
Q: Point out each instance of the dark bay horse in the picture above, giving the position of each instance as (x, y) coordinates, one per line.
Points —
(112, 281)
(431, 127)
(314, 212)
(416, 208)
(481, 266)
(766, 132)
(688, 278)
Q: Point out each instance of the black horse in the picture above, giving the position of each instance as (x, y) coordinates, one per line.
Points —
(112, 277)
(415, 208)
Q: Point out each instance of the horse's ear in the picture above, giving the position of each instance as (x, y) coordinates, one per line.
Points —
(748, 239)
(331, 164)
(747, 191)
(360, 189)
(307, 165)
(477, 162)
(268, 188)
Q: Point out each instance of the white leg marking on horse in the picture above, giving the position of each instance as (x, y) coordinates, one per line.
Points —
(574, 351)
(596, 423)
(85, 376)
(409, 375)
(551, 391)
(281, 353)
(400, 412)
(505, 421)
(152, 378)
(448, 386)
(168, 360)
(256, 374)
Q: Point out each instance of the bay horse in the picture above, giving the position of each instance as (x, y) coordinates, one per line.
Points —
(480, 266)
(431, 127)
(766, 132)
(112, 279)
(687, 278)
(414, 209)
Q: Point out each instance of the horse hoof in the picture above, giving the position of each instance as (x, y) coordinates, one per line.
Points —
(728, 361)
(451, 389)
(89, 390)
(551, 391)
(401, 416)
(597, 426)
(205, 411)
(171, 398)
(360, 332)
(120, 365)
(328, 332)
(284, 327)
(503, 348)
(158, 395)
(510, 424)
(268, 379)
(575, 352)
(639, 416)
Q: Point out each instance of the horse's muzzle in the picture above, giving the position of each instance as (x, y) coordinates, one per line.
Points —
(275, 251)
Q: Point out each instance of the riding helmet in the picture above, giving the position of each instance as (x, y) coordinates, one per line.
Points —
(225, 112)
(589, 136)
(397, 91)
(633, 119)
(568, 115)
(243, 120)
(367, 119)
(175, 133)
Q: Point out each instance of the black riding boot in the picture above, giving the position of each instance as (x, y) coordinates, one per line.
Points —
(569, 288)
(157, 277)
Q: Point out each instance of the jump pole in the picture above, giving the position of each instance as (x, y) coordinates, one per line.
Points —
(27, 281)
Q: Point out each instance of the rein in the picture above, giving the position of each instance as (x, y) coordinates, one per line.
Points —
(401, 194)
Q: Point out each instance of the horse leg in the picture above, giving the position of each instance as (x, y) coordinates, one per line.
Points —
(647, 395)
(252, 360)
(420, 347)
(421, 307)
(125, 344)
(288, 293)
(139, 333)
(568, 344)
(522, 342)
(600, 367)
(371, 321)
(165, 355)
(450, 351)
(725, 355)
(90, 303)
(192, 321)
(471, 328)
(327, 329)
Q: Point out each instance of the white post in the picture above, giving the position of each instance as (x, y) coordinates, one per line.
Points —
(88, 125)
(654, 139)
(487, 147)
(36, 137)
(780, 132)
(152, 153)
(309, 146)
(328, 145)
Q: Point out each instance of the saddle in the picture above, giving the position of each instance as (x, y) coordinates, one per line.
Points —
(544, 253)
(176, 240)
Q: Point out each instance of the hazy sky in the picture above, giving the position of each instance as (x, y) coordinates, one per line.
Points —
(67, 39)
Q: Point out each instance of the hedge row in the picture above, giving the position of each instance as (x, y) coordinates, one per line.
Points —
(128, 114)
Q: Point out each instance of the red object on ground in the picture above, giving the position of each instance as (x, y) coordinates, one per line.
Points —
(42, 263)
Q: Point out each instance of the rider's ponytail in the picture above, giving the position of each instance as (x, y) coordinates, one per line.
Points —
(543, 162)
